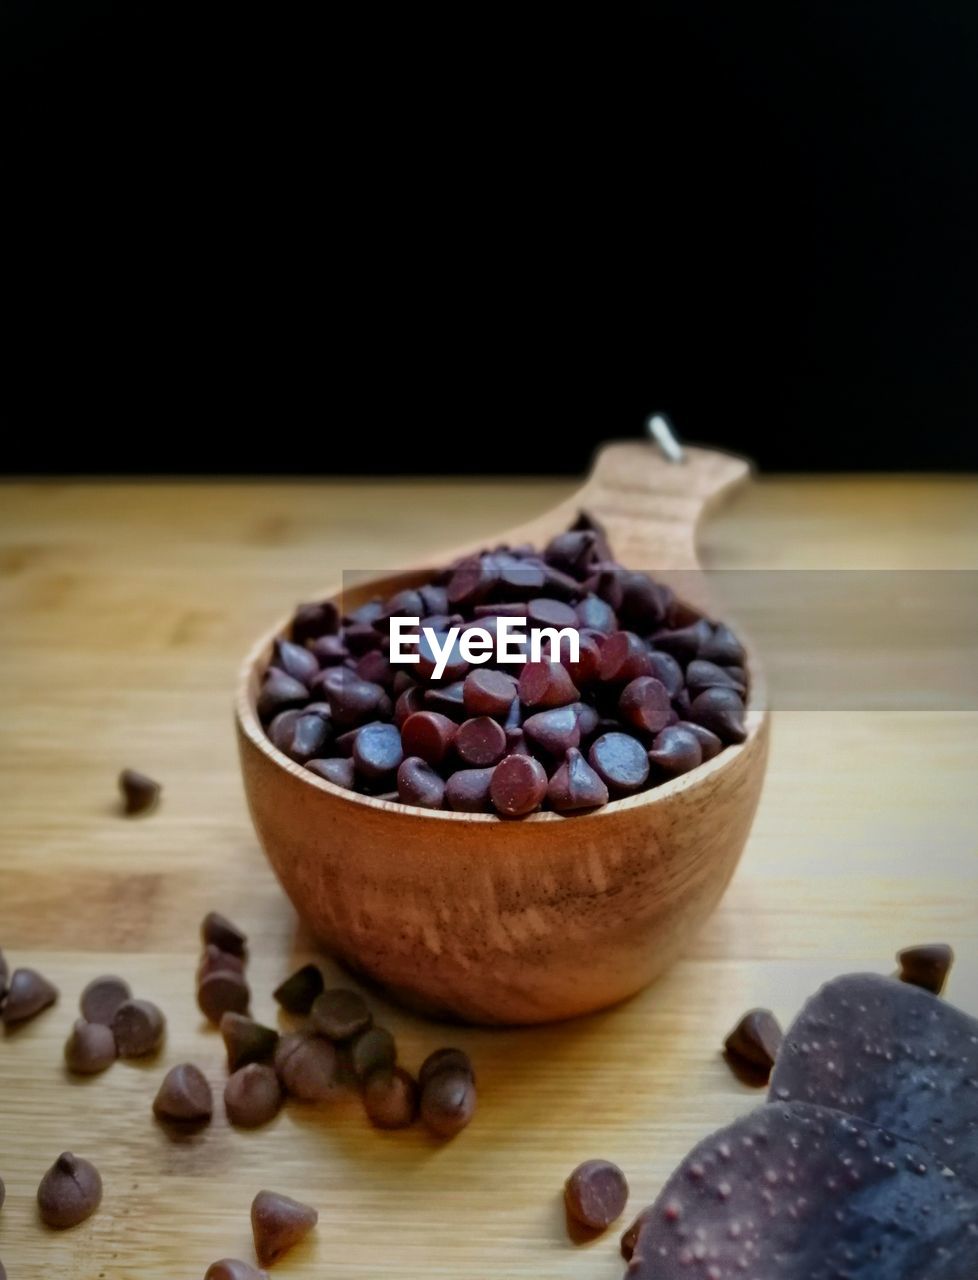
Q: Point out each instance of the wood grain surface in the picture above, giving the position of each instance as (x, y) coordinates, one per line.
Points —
(124, 612)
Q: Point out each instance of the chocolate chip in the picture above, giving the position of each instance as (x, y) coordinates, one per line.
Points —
(722, 712)
(409, 702)
(234, 1269)
(279, 692)
(546, 684)
(28, 994)
(596, 614)
(428, 735)
(297, 993)
(702, 675)
(311, 621)
(620, 761)
(467, 791)
(456, 667)
(340, 1014)
(573, 552)
(70, 1192)
(481, 742)
(305, 737)
(587, 669)
(556, 731)
(645, 705)
(139, 793)
(330, 651)
(518, 786)
(246, 1040)
(448, 700)
(448, 1102)
(667, 669)
(139, 1028)
(184, 1096)
(390, 1097)
(419, 784)
(307, 1067)
(296, 661)
(214, 960)
(278, 1224)
(102, 997)
(624, 657)
(373, 1050)
(377, 751)
(252, 1096)
(353, 701)
(90, 1048)
(630, 1239)
(488, 693)
(223, 992)
(926, 966)
(218, 931)
(754, 1043)
(446, 1059)
(684, 643)
(722, 646)
(676, 750)
(596, 1194)
(575, 785)
(710, 744)
(338, 772)
(543, 612)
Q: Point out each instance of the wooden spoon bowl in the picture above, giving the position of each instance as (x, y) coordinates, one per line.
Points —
(495, 921)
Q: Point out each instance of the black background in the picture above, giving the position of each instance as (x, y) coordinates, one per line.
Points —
(454, 242)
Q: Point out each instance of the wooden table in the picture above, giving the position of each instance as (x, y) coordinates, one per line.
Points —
(125, 609)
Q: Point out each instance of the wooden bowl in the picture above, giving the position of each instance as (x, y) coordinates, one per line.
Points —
(528, 921)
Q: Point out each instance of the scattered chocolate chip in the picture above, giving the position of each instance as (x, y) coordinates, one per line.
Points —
(252, 1096)
(926, 966)
(447, 1059)
(90, 1048)
(307, 1067)
(184, 1096)
(139, 1028)
(575, 785)
(390, 1097)
(448, 1102)
(518, 786)
(70, 1192)
(139, 793)
(596, 1194)
(234, 1269)
(28, 994)
(246, 1040)
(373, 1050)
(101, 999)
(218, 931)
(297, 993)
(754, 1042)
(630, 1239)
(214, 960)
(620, 761)
(223, 992)
(419, 784)
(278, 1224)
(340, 1014)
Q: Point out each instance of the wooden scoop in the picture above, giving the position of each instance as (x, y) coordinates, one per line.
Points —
(544, 918)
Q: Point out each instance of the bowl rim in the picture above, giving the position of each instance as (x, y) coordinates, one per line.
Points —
(250, 725)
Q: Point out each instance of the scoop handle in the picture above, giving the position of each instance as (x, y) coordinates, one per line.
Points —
(651, 507)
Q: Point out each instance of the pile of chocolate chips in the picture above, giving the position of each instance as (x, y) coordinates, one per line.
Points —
(657, 688)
